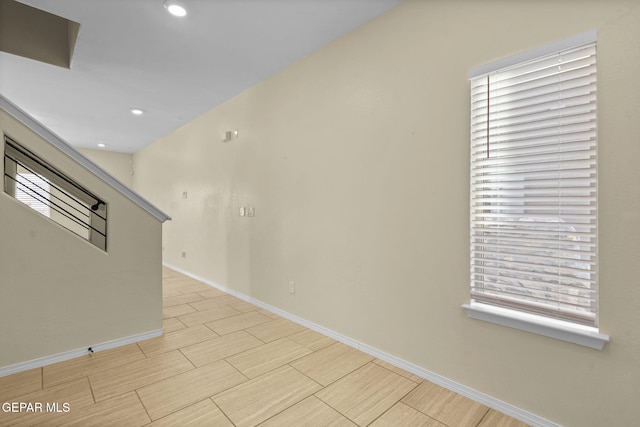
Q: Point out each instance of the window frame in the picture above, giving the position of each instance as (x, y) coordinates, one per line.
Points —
(589, 336)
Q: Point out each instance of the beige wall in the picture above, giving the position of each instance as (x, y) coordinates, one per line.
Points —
(59, 293)
(119, 165)
(357, 162)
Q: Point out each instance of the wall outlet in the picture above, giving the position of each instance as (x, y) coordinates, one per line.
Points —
(243, 211)
(292, 287)
(184, 254)
(251, 211)
(184, 194)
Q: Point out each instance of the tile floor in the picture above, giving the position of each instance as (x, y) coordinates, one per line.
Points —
(224, 362)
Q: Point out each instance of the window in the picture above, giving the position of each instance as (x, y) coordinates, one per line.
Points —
(534, 186)
(34, 182)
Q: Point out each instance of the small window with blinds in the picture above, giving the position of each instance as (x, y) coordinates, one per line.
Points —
(534, 185)
(33, 181)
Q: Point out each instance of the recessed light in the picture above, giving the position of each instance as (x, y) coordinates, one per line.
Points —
(136, 111)
(175, 8)
(101, 145)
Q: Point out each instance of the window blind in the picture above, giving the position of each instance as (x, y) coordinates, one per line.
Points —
(534, 186)
(33, 190)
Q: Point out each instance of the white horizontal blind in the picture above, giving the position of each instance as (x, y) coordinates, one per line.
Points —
(33, 190)
(533, 186)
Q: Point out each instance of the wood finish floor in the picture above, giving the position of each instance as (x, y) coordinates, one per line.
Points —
(225, 362)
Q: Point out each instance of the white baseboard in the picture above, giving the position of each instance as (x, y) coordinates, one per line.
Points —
(498, 405)
(72, 354)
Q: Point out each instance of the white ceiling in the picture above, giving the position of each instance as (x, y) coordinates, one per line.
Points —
(132, 53)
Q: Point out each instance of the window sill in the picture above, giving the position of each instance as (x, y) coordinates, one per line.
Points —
(565, 331)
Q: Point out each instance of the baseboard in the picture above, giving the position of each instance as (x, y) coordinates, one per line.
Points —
(498, 405)
(72, 354)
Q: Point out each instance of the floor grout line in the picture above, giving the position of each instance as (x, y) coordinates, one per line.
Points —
(221, 410)
(93, 395)
(144, 407)
(483, 417)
